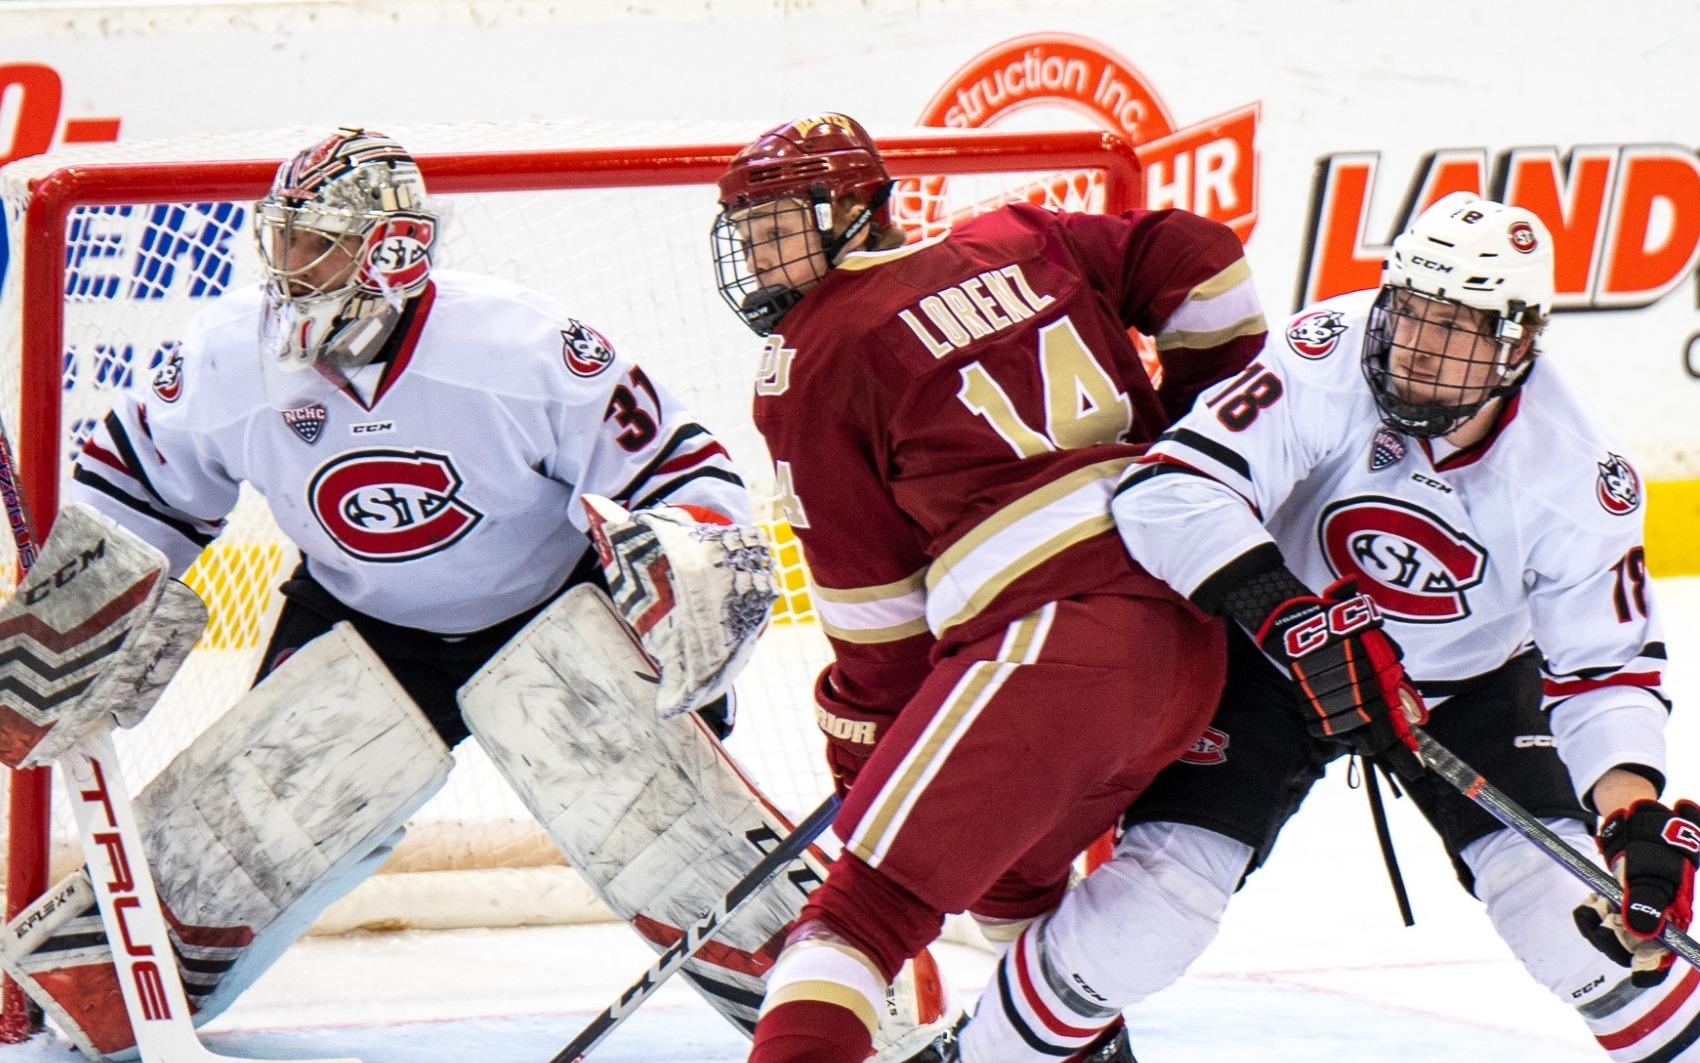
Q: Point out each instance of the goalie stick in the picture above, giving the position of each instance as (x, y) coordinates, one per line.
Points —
(766, 870)
(1467, 781)
(130, 912)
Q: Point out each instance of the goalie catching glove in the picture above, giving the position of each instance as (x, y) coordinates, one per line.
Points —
(95, 632)
(1653, 851)
(695, 588)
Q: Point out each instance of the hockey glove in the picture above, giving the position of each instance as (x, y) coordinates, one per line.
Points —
(696, 588)
(1348, 673)
(1653, 850)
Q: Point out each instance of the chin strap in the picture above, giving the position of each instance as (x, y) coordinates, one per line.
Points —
(835, 245)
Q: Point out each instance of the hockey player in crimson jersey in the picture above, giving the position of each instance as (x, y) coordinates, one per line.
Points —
(1495, 528)
(946, 420)
(426, 439)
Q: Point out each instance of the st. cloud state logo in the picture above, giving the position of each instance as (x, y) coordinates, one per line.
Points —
(1417, 567)
(391, 505)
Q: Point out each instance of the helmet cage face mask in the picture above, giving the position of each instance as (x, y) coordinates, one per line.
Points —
(775, 235)
(1433, 363)
(1464, 290)
(344, 241)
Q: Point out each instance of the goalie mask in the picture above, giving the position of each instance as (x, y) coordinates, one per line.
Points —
(344, 241)
(790, 203)
(1464, 292)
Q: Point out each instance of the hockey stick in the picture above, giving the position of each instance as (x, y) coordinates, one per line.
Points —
(1467, 781)
(130, 912)
(791, 847)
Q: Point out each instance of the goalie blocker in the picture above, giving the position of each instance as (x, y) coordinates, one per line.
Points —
(94, 634)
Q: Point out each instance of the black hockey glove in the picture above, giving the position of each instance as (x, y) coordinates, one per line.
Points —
(1653, 850)
(1348, 673)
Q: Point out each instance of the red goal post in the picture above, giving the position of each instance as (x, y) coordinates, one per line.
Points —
(53, 202)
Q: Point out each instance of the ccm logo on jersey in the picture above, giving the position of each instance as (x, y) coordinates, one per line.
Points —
(391, 505)
(168, 378)
(1316, 334)
(1619, 489)
(1353, 614)
(584, 349)
(1415, 565)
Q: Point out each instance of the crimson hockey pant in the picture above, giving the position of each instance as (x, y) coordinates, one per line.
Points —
(1017, 751)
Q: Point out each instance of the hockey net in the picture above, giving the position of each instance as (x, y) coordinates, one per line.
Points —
(110, 249)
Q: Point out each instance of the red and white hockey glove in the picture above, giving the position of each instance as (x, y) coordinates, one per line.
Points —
(1347, 672)
(696, 588)
(1653, 850)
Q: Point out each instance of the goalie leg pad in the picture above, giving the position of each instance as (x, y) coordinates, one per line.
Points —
(653, 813)
(278, 809)
(72, 619)
(1130, 928)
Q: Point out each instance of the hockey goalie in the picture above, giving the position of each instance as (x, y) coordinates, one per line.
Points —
(542, 551)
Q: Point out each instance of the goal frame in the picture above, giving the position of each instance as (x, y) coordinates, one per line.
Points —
(55, 195)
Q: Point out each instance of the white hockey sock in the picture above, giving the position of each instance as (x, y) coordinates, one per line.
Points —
(1031, 1011)
(1130, 929)
(1530, 898)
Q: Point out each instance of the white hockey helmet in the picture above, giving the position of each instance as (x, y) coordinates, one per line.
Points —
(345, 240)
(1469, 252)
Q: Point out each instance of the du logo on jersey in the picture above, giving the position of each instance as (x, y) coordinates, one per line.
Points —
(391, 505)
(584, 349)
(1417, 567)
(1316, 334)
(1619, 489)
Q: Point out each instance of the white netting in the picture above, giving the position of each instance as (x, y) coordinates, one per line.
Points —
(632, 261)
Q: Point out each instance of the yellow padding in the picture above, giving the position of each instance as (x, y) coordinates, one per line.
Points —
(235, 580)
(1673, 528)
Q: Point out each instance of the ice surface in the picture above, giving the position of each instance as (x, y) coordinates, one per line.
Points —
(1281, 984)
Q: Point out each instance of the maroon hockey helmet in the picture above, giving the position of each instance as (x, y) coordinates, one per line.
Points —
(819, 158)
(805, 169)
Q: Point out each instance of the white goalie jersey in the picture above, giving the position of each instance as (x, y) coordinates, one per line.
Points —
(1532, 536)
(439, 488)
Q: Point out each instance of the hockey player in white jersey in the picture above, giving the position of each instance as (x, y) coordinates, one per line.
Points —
(1467, 507)
(428, 440)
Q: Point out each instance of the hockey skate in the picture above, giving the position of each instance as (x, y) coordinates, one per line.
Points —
(1112, 1047)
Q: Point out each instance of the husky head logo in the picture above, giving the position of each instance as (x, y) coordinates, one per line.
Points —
(1316, 334)
(1619, 489)
(168, 378)
(584, 349)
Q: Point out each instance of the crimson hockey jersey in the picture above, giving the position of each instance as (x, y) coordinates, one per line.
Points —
(1532, 535)
(947, 420)
(441, 489)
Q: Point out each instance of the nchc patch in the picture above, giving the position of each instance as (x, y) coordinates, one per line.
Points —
(1619, 489)
(1386, 449)
(307, 421)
